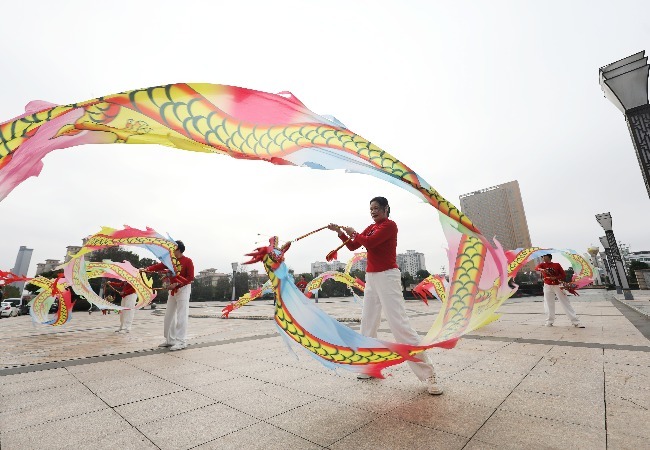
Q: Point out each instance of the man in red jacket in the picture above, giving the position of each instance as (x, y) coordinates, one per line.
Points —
(178, 303)
(553, 275)
(129, 298)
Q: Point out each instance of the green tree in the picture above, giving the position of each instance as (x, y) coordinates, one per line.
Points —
(421, 275)
(10, 292)
(407, 280)
(223, 289)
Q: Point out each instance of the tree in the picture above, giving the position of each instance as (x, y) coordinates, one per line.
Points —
(10, 292)
(421, 275)
(223, 289)
(407, 280)
(569, 274)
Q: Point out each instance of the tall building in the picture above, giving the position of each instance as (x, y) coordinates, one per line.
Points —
(71, 250)
(320, 267)
(411, 262)
(499, 211)
(211, 277)
(22, 265)
(47, 266)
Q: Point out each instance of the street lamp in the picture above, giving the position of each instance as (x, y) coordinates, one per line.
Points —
(606, 256)
(605, 221)
(625, 84)
(593, 252)
(234, 274)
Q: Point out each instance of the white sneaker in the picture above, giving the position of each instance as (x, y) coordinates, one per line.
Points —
(363, 376)
(165, 344)
(117, 331)
(578, 325)
(433, 386)
(548, 324)
(175, 347)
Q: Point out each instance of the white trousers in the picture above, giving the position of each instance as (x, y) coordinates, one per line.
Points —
(126, 315)
(550, 291)
(384, 290)
(178, 309)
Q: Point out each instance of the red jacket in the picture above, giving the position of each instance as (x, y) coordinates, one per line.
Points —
(185, 277)
(122, 287)
(554, 273)
(380, 239)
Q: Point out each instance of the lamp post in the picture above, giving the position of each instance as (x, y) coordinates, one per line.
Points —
(593, 252)
(605, 221)
(234, 274)
(625, 84)
(607, 258)
(603, 258)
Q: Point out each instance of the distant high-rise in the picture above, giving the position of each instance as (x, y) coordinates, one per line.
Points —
(499, 211)
(22, 265)
(411, 262)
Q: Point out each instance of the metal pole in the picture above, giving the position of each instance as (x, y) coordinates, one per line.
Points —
(234, 275)
(605, 221)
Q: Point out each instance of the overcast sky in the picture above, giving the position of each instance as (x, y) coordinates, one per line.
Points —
(468, 94)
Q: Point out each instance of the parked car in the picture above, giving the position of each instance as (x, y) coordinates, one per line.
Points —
(20, 304)
(8, 310)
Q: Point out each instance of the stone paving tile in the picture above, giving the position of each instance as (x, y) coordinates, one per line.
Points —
(45, 407)
(572, 388)
(137, 391)
(30, 399)
(393, 433)
(34, 376)
(198, 378)
(627, 357)
(98, 430)
(223, 390)
(101, 383)
(157, 408)
(281, 374)
(475, 393)
(624, 417)
(268, 401)
(517, 431)
(476, 444)
(31, 385)
(444, 414)
(618, 440)
(499, 378)
(259, 436)
(583, 411)
(195, 427)
(322, 421)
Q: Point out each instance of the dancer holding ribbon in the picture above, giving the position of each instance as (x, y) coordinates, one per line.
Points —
(384, 286)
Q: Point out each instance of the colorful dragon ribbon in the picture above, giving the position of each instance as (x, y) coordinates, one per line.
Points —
(78, 272)
(342, 277)
(7, 278)
(312, 287)
(248, 124)
(162, 247)
(436, 285)
(49, 292)
(248, 297)
(328, 341)
(583, 271)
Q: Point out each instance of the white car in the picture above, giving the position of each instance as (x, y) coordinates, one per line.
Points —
(8, 310)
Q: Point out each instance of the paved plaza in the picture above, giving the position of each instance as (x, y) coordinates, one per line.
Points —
(511, 384)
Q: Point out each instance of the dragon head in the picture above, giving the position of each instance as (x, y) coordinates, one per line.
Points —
(271, 255)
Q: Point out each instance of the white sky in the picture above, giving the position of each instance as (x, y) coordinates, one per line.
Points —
(468, 94)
